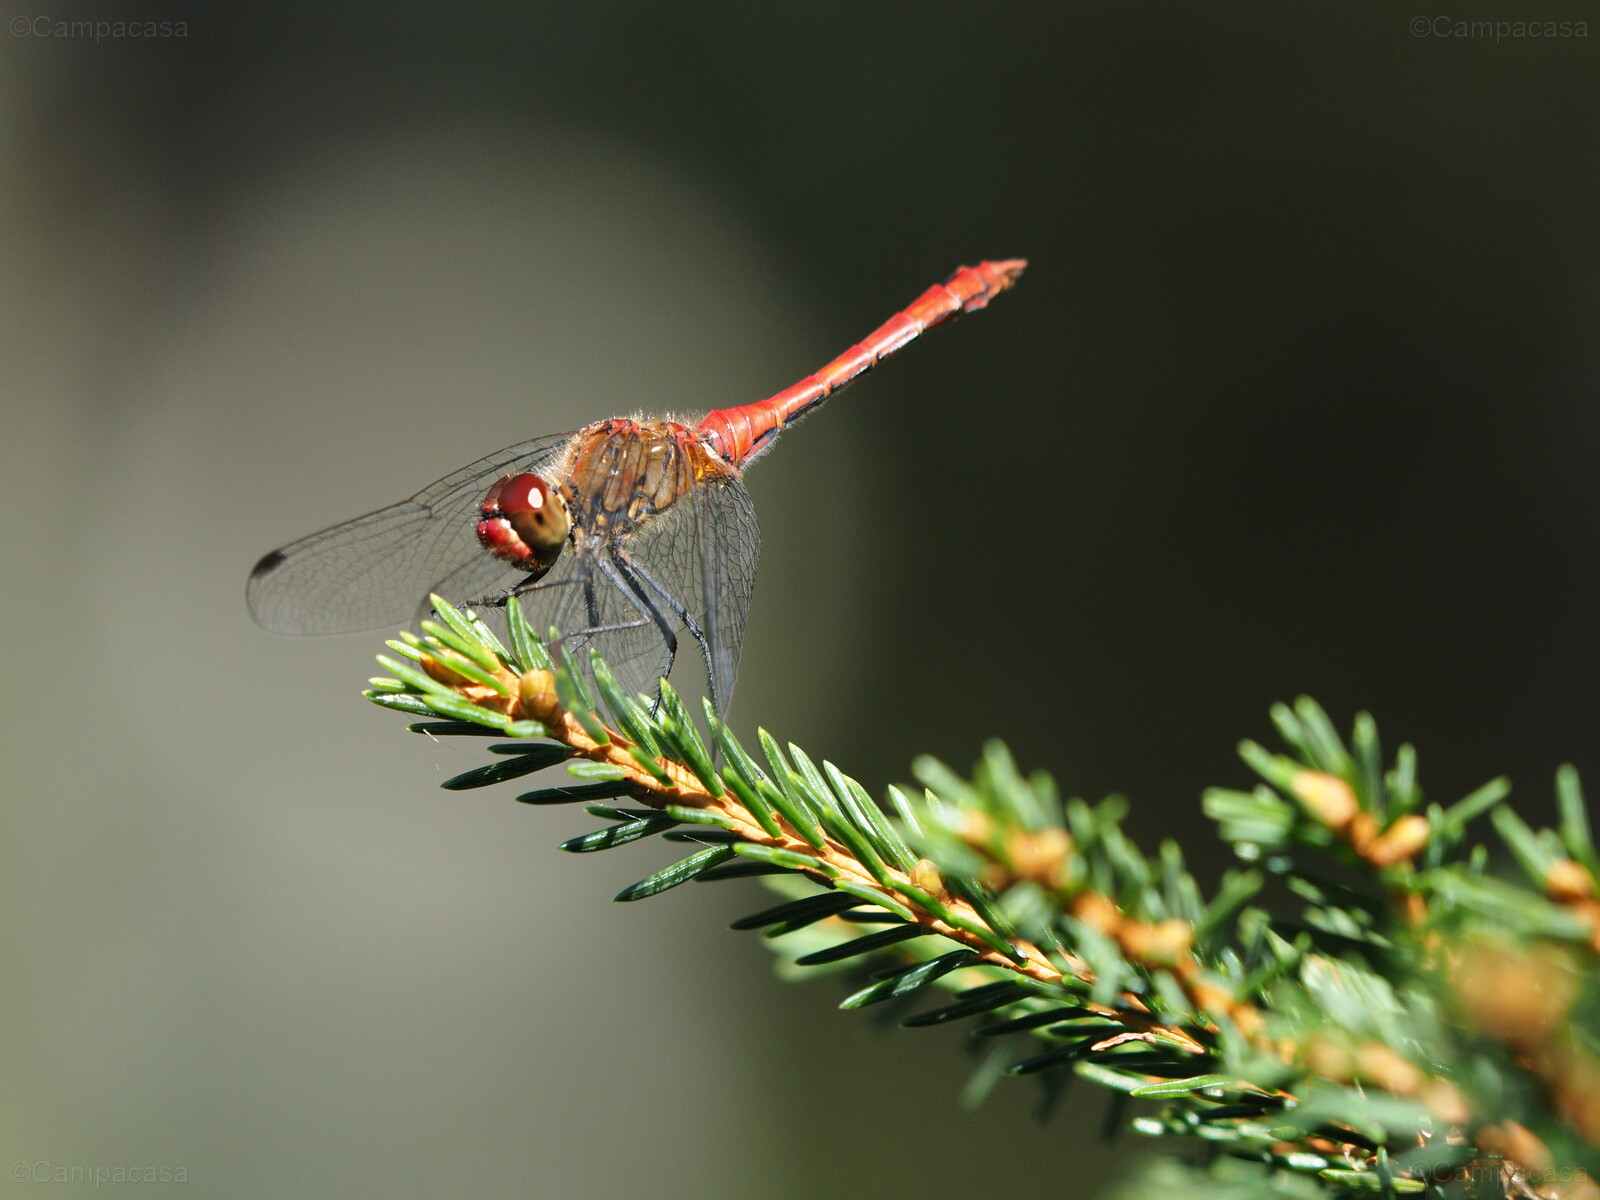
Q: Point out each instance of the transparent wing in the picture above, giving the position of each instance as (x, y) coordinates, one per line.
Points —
(378, 569)
(730, 547)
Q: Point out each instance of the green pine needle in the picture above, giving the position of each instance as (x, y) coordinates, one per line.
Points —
(1393, 993)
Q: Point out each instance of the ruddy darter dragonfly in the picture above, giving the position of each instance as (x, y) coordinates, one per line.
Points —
(628, 535)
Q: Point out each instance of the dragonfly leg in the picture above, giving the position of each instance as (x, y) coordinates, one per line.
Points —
(648, 615)
(621, 571)
(592, 607)
(689, 623)
(638, 575)
(532, 583)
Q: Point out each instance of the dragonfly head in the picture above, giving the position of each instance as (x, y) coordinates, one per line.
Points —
(525, 522)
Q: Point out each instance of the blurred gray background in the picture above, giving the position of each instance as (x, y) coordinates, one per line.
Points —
(1297, 395)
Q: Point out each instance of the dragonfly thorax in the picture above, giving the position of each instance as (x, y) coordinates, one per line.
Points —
(625, 471)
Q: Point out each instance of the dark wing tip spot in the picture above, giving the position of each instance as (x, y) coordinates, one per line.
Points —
(268, 564)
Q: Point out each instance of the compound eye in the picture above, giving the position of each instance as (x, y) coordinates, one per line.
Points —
(537, 512)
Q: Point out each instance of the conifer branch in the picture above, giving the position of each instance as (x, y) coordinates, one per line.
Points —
(1428, 1025)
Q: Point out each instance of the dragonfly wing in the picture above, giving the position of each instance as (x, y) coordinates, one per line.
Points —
(694, 567)
(377, 569)
(730, 547)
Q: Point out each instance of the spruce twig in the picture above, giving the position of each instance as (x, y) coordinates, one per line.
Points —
(1420, 1024)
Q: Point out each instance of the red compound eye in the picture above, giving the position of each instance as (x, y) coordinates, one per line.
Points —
(523, 493)
(526, 522)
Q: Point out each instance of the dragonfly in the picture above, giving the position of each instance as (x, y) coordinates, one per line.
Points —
(633, 536)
